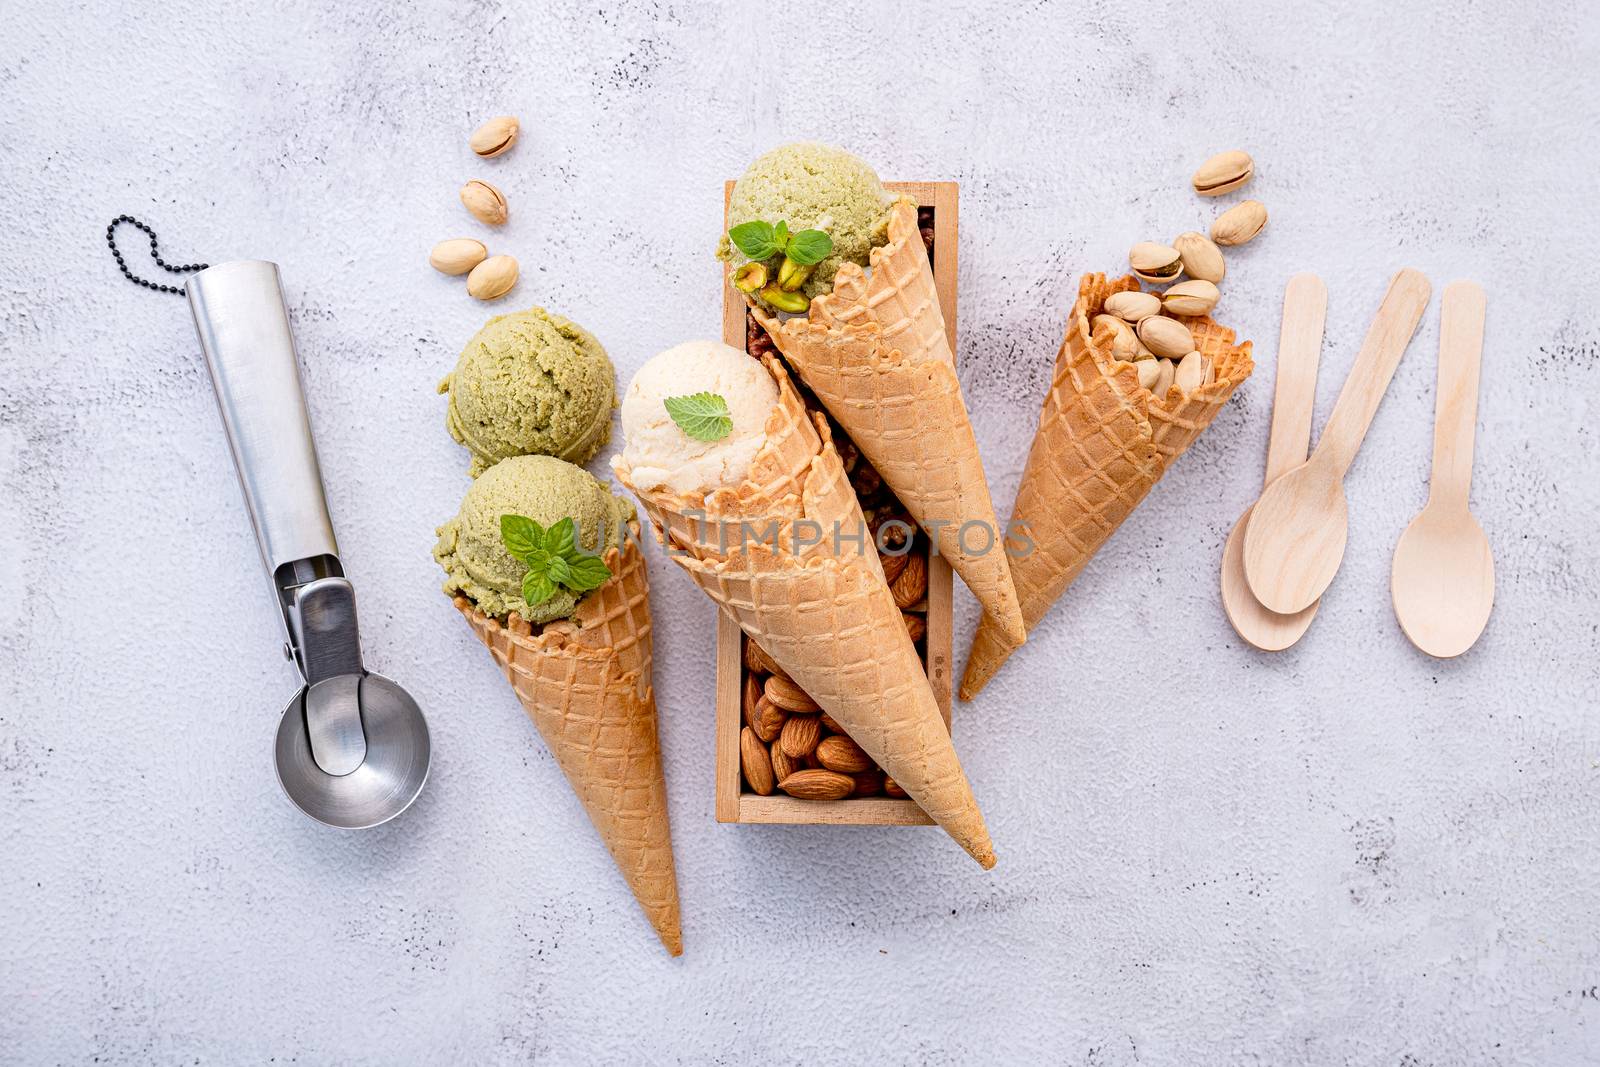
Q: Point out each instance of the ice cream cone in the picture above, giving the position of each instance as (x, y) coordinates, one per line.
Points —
(875, 353)
(766, 552)
(585, 683)
(1102, 443)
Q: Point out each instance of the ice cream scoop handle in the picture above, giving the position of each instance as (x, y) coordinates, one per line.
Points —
(243, 323)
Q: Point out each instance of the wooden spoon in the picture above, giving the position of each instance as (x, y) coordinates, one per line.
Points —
(1295, 540)
(1443, 577)
(1305, 308)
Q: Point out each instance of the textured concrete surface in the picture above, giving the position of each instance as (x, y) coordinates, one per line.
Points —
(1346, 853)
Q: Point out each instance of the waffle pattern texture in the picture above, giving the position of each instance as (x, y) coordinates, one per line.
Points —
(585, 683)
(876, 354)
(765, 552)
(1102, 443)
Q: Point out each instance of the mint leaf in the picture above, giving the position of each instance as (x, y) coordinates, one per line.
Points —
(780, 235)
(808, 247)
(558, 539)
(559, 571)
(587, 572)
(755, 239)
(536, 589)
(703, 416)
(521, 536)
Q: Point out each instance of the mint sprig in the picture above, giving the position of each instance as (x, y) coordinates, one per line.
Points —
(762, 241)
(553, 558)
(703, 416)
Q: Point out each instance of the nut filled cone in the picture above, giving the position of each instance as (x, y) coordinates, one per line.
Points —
(765, 552)
(585, 683)
(1102, 443)
(875, 352)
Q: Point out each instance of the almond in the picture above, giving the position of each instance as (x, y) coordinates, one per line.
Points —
(756, 658)
(912, 583)
(788, 696)
(839, 753)
(752, 693)
(868, 783)
(829, 724)
(800, 735)
(756, 763)
(818, 785)
(893, 564)
(782, 765)
(769, 720)
(891, 788)
(916, 626)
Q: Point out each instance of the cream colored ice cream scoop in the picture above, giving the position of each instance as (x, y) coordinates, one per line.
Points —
(659, 452)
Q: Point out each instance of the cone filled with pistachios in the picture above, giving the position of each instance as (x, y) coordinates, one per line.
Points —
(1133, 388)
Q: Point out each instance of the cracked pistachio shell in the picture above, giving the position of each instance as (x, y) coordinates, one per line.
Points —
(1191, 373)
(1155, 263)
(493, 278)
(1149, 371)
(1239, 223)
(1124, 345)
(1201, 257)
(486, 203)
(495, 136)
(1191, 298)
(1133, 306)
(1223, 172)
(1166, 337)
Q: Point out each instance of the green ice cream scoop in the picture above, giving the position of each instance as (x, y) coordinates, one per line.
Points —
(530, 383)
(812, 186)
(540, 488)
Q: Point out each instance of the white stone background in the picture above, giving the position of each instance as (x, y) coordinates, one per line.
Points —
(1347, 853)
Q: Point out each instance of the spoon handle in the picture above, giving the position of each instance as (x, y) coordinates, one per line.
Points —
(1375, 364)
(1305, 310)
(1455, 415)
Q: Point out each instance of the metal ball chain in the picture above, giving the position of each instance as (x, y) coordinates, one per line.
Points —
(155, 254)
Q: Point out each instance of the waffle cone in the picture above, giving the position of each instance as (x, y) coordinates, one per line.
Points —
(585, 683)
(1102, 443)
(821, 610)
(875, 353)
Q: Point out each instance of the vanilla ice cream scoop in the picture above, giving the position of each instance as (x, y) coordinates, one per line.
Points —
(659, 453)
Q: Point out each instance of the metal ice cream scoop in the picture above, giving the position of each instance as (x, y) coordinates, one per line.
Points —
(352, 747)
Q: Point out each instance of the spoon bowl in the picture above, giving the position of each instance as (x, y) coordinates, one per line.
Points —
(1262, 628)
(1443, 580)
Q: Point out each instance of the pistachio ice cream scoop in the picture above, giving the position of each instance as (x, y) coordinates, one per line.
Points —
(658, 448)
(546, 490)
(530, 383)
(812, 186)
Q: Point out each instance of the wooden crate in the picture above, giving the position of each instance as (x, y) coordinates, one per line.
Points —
(734, 804)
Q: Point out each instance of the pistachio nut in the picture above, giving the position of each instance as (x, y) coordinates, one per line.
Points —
(1239, 223)
(783, 300)
(486, 203)
(493, 278)
(1164, 379)
(1191, 373)
(1133, 306)
(1149, 370)
(750, 277)
(1222, 172)
(1191, 298)
(792, 275)
(495, 136)
(1155, 263)
(1202, 259)
(457, 256)
(1166, 337)
(1124, 345)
